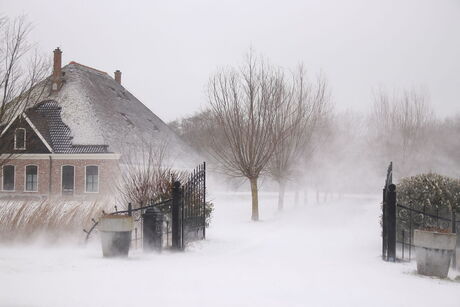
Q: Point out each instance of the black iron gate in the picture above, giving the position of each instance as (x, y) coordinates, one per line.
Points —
(193, 203)
(399, 220)
(174, 222)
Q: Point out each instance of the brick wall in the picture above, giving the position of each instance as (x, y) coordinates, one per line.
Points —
(108, 174)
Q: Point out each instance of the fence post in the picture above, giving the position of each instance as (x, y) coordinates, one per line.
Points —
(384, 225)
(391, 222)
(130, 208)
(175, 212)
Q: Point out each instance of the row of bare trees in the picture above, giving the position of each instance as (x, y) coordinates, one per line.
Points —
(263, 121)
(400, 124)
(260, 122)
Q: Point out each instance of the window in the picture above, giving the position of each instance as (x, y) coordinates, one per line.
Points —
(31, 178)
(20, 139)
(68, 178)
(92, 179)
(8, 178)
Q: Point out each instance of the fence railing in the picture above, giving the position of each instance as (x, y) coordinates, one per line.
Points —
(409, 219)
(171, 223)
(399, 220)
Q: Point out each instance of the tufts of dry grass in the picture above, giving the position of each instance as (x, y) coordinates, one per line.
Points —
(50, 219)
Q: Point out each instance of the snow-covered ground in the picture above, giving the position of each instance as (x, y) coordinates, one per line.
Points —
(314, 255)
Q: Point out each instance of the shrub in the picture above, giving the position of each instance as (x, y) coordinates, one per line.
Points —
(433, 194)
(430, 190)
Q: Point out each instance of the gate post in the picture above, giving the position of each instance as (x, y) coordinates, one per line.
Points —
(391, 222)
(384, 225)
(175, 212)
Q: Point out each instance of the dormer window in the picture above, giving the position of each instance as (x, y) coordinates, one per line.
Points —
(20, 139)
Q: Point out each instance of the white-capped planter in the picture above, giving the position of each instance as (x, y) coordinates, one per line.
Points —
(457, 259)
(434, 251)
(115, 233)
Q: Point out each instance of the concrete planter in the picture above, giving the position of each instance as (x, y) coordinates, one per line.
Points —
(434, 251)
(457, 259)
(115, 233)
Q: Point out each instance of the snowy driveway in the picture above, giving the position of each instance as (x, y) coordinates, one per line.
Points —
(318, 255)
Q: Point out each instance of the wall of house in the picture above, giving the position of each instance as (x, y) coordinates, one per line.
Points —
(108, 174)
(33, 142)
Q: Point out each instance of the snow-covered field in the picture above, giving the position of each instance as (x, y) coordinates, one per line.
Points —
(314, 255)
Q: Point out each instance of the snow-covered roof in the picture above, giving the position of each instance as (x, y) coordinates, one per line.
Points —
(46, 118)
(98, 110)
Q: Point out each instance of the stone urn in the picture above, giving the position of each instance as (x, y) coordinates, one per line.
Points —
(115, 233)
(434, 252)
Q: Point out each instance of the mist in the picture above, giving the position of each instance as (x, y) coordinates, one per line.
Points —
(167, 51)
(342, 89)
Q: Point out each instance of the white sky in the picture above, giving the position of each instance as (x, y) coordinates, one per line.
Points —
(168, 49)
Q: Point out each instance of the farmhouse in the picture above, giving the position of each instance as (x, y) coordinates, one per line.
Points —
(70, 143)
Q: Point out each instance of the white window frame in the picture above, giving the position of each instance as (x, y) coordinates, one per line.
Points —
(14, 178)
(74, 174)
(25, 178)
(15, 139)
(98, 177)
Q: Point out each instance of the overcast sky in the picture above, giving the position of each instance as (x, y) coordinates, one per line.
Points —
(167, 50)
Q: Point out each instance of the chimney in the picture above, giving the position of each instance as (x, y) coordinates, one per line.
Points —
(57, 74)
(118, 76)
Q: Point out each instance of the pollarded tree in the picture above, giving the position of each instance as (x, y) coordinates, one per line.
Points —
(310, 103)
(251, 106)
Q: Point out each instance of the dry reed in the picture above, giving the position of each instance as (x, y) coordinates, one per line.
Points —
(52, 220)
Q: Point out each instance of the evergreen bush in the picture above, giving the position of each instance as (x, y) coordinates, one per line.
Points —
(431, 190)
(431, 193)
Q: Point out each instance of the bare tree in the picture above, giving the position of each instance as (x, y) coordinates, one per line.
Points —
(309, 104)
(400, 124)
(146, 176)
(194, 130)
(252, 106)
(21, 69)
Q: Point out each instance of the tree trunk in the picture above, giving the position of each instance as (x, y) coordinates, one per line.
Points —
(305, 197)
(296, 197)
(317, 196)
(255, 199)
(282, 189)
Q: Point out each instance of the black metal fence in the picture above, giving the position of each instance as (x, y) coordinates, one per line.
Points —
(399, 220)
(174, 222)
(193, 205)
(416, 216)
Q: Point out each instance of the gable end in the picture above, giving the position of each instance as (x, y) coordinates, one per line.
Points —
(35, 143)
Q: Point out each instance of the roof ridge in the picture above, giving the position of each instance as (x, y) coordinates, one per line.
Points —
(73, 62)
